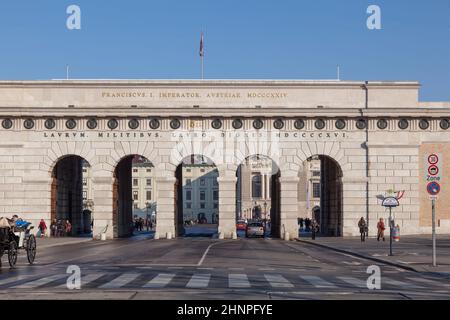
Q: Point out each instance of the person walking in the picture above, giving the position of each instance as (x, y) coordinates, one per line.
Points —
(362, 229)
(53, 228)
(42, 228)
(381, 227)
(314, 228)
(68, 228)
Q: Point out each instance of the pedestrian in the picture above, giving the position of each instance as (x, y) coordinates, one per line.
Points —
(314, 228)
(59, 228)
(362, 229)
(380, 227)
(68, 228)
(301, 223)
(42, 228)
(53, 228)
(307, 224)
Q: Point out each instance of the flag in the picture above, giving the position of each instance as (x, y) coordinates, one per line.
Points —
(202, 51)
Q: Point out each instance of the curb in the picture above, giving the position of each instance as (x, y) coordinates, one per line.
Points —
(359, 255)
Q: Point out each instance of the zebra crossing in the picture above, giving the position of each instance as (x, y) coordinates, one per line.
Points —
(204, 280)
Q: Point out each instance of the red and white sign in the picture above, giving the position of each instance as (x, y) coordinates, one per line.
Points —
(433, 171)
(433, 159)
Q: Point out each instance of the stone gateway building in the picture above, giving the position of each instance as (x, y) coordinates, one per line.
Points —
(371, 138)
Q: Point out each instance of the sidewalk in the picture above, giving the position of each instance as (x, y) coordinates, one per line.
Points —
(60, 241)
(411, 253)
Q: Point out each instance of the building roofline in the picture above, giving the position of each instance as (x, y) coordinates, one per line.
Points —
(209, 82)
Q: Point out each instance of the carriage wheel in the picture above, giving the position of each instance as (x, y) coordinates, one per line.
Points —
(31, 248)
(12, 253)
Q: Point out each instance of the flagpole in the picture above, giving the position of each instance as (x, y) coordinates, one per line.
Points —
(203, 56)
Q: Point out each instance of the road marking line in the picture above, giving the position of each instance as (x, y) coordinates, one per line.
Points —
(160, 281)
(199, 281)
(390, 281)
(206, 252)
(266, 269)
(120, 281)
(428, 281)
(15, 279)
(85, 279)
(40, 282)
(354, 282)
(238, 280)
(354, 263)
(278, 281)
(318, 282)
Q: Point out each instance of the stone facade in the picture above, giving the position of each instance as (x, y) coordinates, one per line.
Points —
(354, 126)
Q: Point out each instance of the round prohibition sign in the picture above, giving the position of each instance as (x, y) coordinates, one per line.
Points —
(433, 170)
(433, 188)
(433, 159)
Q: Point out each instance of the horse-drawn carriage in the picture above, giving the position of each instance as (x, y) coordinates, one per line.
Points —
(14, 237)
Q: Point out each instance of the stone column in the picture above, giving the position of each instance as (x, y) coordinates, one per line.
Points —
(289, 206)
(227, 205)
(103, 207)
(165, 215)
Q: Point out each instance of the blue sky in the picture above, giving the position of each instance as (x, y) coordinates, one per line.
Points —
(244, 39)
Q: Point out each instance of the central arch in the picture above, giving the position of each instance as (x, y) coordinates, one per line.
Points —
(196, 197)
(134, 208)
(258, 194)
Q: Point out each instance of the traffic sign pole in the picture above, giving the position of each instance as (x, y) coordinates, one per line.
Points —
(433, 212)
(390, 232)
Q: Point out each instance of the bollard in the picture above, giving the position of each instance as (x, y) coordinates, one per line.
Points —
(169, 236)
(103, 237)
(234, 235)
(221, 236)
(286, 236)
(156, 237)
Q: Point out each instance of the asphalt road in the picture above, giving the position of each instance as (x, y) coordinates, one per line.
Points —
(204, 268)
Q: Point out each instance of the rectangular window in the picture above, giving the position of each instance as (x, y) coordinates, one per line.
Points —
(316, 173)
(316, 190)
(216, 205)
(188, 170)
(135, 206)
(202, 182)
(84, 195)
(216, 195)
(135, 182)
(149, 195)
(149, 170)
(202, 205)
(202, 170)
(149, 182)
(202, 195)
(188, 182)
(257, 186)
(84, 182)
(135, 170)
(188, 205)
(188, 195)
(135, 195)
